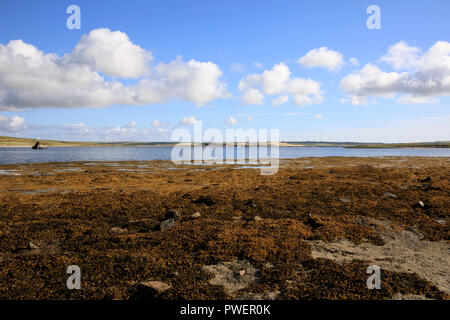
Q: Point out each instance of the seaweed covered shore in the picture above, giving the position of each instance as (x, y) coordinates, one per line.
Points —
(225, 231)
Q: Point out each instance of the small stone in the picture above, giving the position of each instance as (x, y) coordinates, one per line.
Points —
(390, 195)
(196, 215)
(151, 289)
(441, 221)
(257, 218)
(242, 272)
(344, 200)
(32, 246)
(173, 214)
(419, 205)
(166, 224)
(118, 230)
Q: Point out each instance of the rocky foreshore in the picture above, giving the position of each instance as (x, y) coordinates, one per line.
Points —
(154, 230)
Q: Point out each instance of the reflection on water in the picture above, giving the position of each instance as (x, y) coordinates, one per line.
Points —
(25, 155)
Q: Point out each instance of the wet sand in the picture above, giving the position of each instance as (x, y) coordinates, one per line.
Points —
(308, 232)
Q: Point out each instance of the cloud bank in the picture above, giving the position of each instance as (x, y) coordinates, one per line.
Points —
(86, 77)
(417, 78)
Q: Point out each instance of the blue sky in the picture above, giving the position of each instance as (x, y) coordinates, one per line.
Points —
(238, 38)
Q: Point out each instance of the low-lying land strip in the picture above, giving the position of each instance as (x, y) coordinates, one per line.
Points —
(6, 142)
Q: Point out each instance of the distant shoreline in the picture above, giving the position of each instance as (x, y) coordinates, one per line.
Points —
(12, 142)
(387, 146)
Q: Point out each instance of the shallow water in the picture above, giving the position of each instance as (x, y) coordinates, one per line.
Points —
(25, 155)
(9, 173)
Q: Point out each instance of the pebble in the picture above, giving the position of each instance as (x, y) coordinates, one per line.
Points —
(257, 218)
(166, 224)
(419, 204)
(118, 230)
(390, 195)
(196, 215)
(344, 200)
(152, 288)
(31, 245)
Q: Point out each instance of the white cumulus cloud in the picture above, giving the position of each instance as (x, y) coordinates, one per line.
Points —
(13, 124)
(252, 96)
(189, 121)
(402, 56)
(426, 78)
(30, 78)
(323, 58)
(112, 53)
(278, 81)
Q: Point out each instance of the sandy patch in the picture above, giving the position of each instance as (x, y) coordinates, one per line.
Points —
(233, 276)
(404, 251)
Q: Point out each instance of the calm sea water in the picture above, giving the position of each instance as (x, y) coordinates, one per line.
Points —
(24, 155)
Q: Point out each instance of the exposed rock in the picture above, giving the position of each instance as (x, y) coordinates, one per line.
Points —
(166, 224)
(390, 195)
(196, 215)
(40, 248)
(230, 275)
(152, 289)
(38, 145)
(32, 246)
(418, 205)
(173, 214)
(118, 230)
(399, 296)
